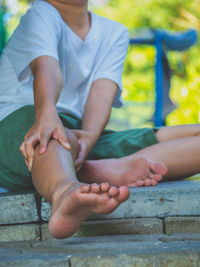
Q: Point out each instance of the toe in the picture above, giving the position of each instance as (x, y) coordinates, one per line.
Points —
(113, 191)
(133, 185)
(147, 182)
(139, 183)
(158, 177)
(84, 188)
(105, 187)
(154, 182)
(95, 188)
(123, 194)
(151, 175)
(158, 168)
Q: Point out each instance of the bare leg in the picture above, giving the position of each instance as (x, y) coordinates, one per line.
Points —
(178, 149)
(177, 132)
(54, 178)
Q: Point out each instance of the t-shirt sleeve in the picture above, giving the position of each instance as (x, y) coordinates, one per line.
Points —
(37, 35)
(111, 64)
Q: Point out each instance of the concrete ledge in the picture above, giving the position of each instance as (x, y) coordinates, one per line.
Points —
(150, 217)
(114, 251)
(174, 205)
(180, 198)
(159, 260)
(18, 208)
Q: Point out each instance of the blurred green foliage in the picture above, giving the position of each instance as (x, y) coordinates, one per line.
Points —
(138, 79)
(14, 15)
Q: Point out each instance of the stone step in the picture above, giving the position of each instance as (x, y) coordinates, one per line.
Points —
(169, 208)
(180, 198)
(115, 251)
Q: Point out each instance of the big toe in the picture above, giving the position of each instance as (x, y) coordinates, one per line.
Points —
(123, 193)
(158, 168)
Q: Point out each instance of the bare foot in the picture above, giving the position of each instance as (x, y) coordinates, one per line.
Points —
(73, 205)
(131, 172)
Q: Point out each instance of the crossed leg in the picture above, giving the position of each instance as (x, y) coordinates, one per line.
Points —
(178, 150)
(54, 178)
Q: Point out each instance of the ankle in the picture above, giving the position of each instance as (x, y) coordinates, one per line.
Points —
(62, 188)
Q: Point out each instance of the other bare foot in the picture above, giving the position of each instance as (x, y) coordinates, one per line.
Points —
(131, 172)
(75, 204)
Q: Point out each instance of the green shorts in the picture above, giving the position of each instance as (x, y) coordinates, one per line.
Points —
(14, 174)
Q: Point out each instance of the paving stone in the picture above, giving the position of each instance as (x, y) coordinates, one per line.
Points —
(121, 226)
(45, 234)
(182, 225)
(19, 232)
(115, 227)
(45, 210)
(180, 198)
(18, 208)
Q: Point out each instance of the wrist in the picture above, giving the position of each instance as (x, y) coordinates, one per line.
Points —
(44, 108)
(93, 136)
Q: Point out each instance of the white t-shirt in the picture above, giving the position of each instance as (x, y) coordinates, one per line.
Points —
(43, 32)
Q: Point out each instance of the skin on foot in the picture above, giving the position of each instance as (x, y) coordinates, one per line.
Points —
(75, 204)
(131, 172)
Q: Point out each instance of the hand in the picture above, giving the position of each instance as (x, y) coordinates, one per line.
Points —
(47, 126)
(86, 141)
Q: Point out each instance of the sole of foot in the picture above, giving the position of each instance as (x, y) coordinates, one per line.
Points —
(131, 172)
(74, 205)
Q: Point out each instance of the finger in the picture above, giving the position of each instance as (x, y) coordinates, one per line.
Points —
(78, 163)
(81, 152)
(61, 137)
(26, 162)
(29, 144)
(78, 167)
(23, 150)
(44, 139)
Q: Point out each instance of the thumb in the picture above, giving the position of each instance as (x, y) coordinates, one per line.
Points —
(62, 139)
(81, 153)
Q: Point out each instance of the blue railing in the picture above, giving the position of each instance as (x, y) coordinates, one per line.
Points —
(163, 41)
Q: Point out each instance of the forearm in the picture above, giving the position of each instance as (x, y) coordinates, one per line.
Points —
(47, 84)
(47, 87)
(98, 107)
